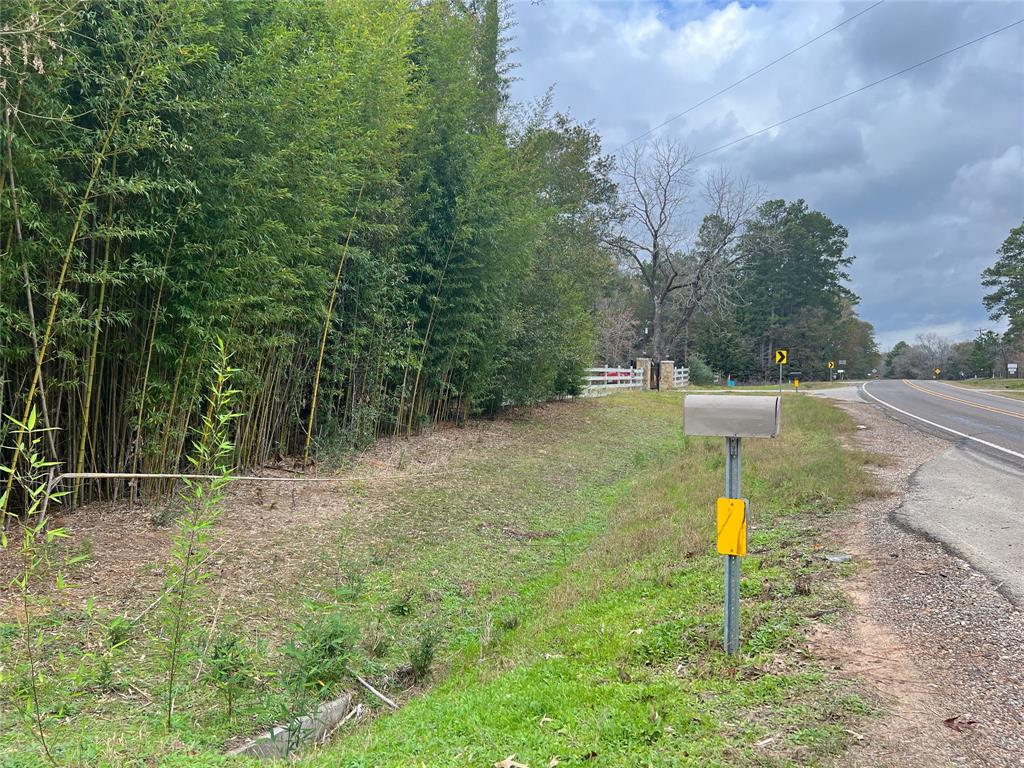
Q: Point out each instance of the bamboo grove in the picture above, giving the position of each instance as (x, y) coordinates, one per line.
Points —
(337, 190)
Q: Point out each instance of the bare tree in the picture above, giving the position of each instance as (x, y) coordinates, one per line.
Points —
(616, 331)
(683, 267)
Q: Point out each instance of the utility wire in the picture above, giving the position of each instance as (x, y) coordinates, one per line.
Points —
(858, 90)
(744, 79)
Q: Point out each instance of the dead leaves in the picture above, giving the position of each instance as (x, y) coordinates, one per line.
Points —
(959, 723)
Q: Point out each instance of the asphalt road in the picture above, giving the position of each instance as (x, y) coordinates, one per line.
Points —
(981, 421)
(970, 497)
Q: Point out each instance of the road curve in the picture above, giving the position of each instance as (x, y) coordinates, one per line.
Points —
(988, 423)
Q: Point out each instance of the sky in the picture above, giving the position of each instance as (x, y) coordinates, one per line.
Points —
(926, 170)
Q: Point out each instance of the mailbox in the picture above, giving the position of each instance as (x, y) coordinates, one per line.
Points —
(731, 415)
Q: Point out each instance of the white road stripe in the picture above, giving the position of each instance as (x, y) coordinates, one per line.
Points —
(945, 429)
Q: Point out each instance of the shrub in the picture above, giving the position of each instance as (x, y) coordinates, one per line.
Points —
(700, 371)
(318, 657)
(421, 658)
(229, 667)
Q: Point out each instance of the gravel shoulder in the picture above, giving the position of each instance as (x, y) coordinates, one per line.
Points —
(931, 640)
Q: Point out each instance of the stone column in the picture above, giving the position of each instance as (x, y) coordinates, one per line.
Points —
(668, 368)
(643, 364)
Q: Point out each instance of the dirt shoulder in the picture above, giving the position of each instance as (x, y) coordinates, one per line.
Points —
(932, 640)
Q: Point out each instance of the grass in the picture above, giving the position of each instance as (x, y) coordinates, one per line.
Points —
(992, 383)
(557, 596)
(1007, 387)
(617, 660)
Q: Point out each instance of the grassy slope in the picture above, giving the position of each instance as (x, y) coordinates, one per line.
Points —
(1009, 387)
(567, 573)
(615, 662)
(992, 383)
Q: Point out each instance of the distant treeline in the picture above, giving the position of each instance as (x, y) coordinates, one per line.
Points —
(781, 283)
(338, 190)
(990, 353)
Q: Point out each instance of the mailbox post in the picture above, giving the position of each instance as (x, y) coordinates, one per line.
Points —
(732, 417)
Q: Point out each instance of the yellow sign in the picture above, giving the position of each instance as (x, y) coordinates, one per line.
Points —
(781, 356)
(938, 371)
(732, 526)
(796, 383)
(831, 363)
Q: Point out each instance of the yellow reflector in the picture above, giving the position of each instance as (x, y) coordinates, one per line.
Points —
(732, 527)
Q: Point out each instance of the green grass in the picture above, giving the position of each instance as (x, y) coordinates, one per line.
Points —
(618, 664)
(563, 578)
(1014, 386)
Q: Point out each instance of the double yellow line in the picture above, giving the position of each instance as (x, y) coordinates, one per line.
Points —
(972, 404)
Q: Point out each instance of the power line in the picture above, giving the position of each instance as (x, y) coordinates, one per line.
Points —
(858, 90)
(744, 79)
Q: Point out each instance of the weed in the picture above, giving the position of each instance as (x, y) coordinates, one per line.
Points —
(229, 667)
(30, 477)
(377, 639)
(318, 656)
(421, 657)
(403, 606)
(202, 502)
(119, 631)
(678, 641)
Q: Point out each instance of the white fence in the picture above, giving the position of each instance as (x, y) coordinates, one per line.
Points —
(598, 381)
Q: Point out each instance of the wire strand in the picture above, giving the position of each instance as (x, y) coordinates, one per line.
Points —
(859, 90)
(744, 79)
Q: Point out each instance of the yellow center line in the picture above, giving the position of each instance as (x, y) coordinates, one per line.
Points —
(944, 396)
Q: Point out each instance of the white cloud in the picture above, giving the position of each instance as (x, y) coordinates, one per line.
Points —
(697, 50)
(926, 170)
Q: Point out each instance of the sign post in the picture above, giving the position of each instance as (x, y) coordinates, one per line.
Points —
(732, 418)
(831, 370)
(937, 372)
(781, 359)
(732, 561)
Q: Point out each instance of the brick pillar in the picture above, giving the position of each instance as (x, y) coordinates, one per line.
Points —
(644, 365)
(667, 369)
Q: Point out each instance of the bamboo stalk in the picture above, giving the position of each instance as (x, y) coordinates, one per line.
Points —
(90, 375)
(327, 325)
(69, 251)
(137, 443)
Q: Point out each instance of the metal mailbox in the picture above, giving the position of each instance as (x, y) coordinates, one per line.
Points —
(732, 415)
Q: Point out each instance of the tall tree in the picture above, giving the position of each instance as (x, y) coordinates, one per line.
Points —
(793, 271)
(658, 183)
(1006, 276)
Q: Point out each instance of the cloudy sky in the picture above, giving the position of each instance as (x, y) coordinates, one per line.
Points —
(925, 170)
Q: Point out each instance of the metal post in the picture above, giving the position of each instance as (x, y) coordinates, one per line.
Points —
(732, 563)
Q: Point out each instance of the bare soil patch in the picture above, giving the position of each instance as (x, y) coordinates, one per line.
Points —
(274, 535)
(930, 640)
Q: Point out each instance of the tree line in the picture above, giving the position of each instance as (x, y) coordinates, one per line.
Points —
(340, 192)
(714, 275)
(990, 353)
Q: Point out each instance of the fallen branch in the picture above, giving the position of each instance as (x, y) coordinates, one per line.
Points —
(372, 690)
